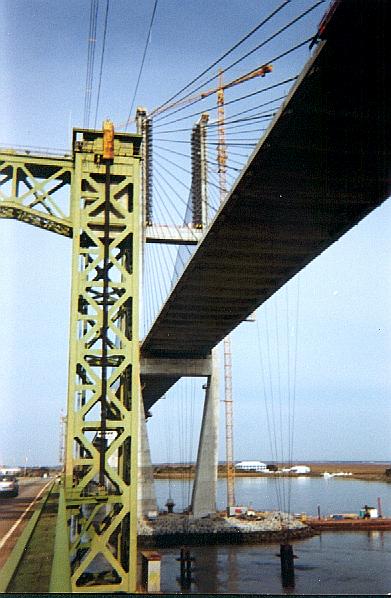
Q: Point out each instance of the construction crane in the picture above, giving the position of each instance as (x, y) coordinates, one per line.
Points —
(258, 72)
(222, 161)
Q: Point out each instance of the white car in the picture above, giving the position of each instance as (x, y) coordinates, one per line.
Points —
(9, 485)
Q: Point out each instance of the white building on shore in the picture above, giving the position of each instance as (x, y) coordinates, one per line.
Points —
(251, 466)
(300, 469)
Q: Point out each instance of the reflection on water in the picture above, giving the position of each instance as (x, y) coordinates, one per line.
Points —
(331, 563)
(303, 479)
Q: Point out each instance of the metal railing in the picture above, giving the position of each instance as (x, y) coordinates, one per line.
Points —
(60, 579)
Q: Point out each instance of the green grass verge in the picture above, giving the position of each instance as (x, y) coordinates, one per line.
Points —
(33, 572)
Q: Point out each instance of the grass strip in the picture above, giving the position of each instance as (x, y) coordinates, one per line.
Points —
(30, 562)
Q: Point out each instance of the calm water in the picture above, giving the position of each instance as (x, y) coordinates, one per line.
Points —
(333, 563)
(333, 495)
(340, 563)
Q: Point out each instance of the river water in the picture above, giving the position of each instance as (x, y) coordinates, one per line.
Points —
(330, 563)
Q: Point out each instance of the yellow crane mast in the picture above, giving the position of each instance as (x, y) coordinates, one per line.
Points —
(222, 161)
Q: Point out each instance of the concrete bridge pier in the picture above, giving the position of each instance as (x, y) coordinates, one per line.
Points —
(205, 484)
(146, 495)
(203, 500)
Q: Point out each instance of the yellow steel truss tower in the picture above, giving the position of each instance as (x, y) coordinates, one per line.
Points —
(104, 388)
(104, 220)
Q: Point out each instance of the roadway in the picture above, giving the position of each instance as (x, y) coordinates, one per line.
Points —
(14, 510)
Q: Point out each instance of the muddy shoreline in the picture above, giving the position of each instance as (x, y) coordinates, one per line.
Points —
(369, 472)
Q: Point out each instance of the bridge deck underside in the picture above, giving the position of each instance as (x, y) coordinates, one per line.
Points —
(322, 167)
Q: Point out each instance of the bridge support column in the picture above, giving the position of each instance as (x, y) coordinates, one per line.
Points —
(203, 500)
(146, 495)
(104, 366)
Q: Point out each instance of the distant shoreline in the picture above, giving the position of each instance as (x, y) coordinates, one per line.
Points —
(370, 472)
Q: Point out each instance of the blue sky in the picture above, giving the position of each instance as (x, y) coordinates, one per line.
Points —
(343, 378)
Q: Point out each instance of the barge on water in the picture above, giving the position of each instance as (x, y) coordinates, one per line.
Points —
(349, 524)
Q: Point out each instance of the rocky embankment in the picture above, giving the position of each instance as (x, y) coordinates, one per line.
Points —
(177, 529)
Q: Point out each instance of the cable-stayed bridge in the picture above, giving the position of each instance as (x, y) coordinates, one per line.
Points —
(322, 166)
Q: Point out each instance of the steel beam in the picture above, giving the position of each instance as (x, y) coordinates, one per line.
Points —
(170, 235)
(175, 367)
(32, 189)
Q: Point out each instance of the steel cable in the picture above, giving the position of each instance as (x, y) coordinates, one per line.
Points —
(101, 61)
(216, 62)
(94, 7)
(237, 99)
(142, 65)
(258, 47)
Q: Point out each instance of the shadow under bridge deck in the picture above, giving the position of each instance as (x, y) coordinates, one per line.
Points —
(321, 167)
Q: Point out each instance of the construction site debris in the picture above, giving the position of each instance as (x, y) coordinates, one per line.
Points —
(174, 523)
